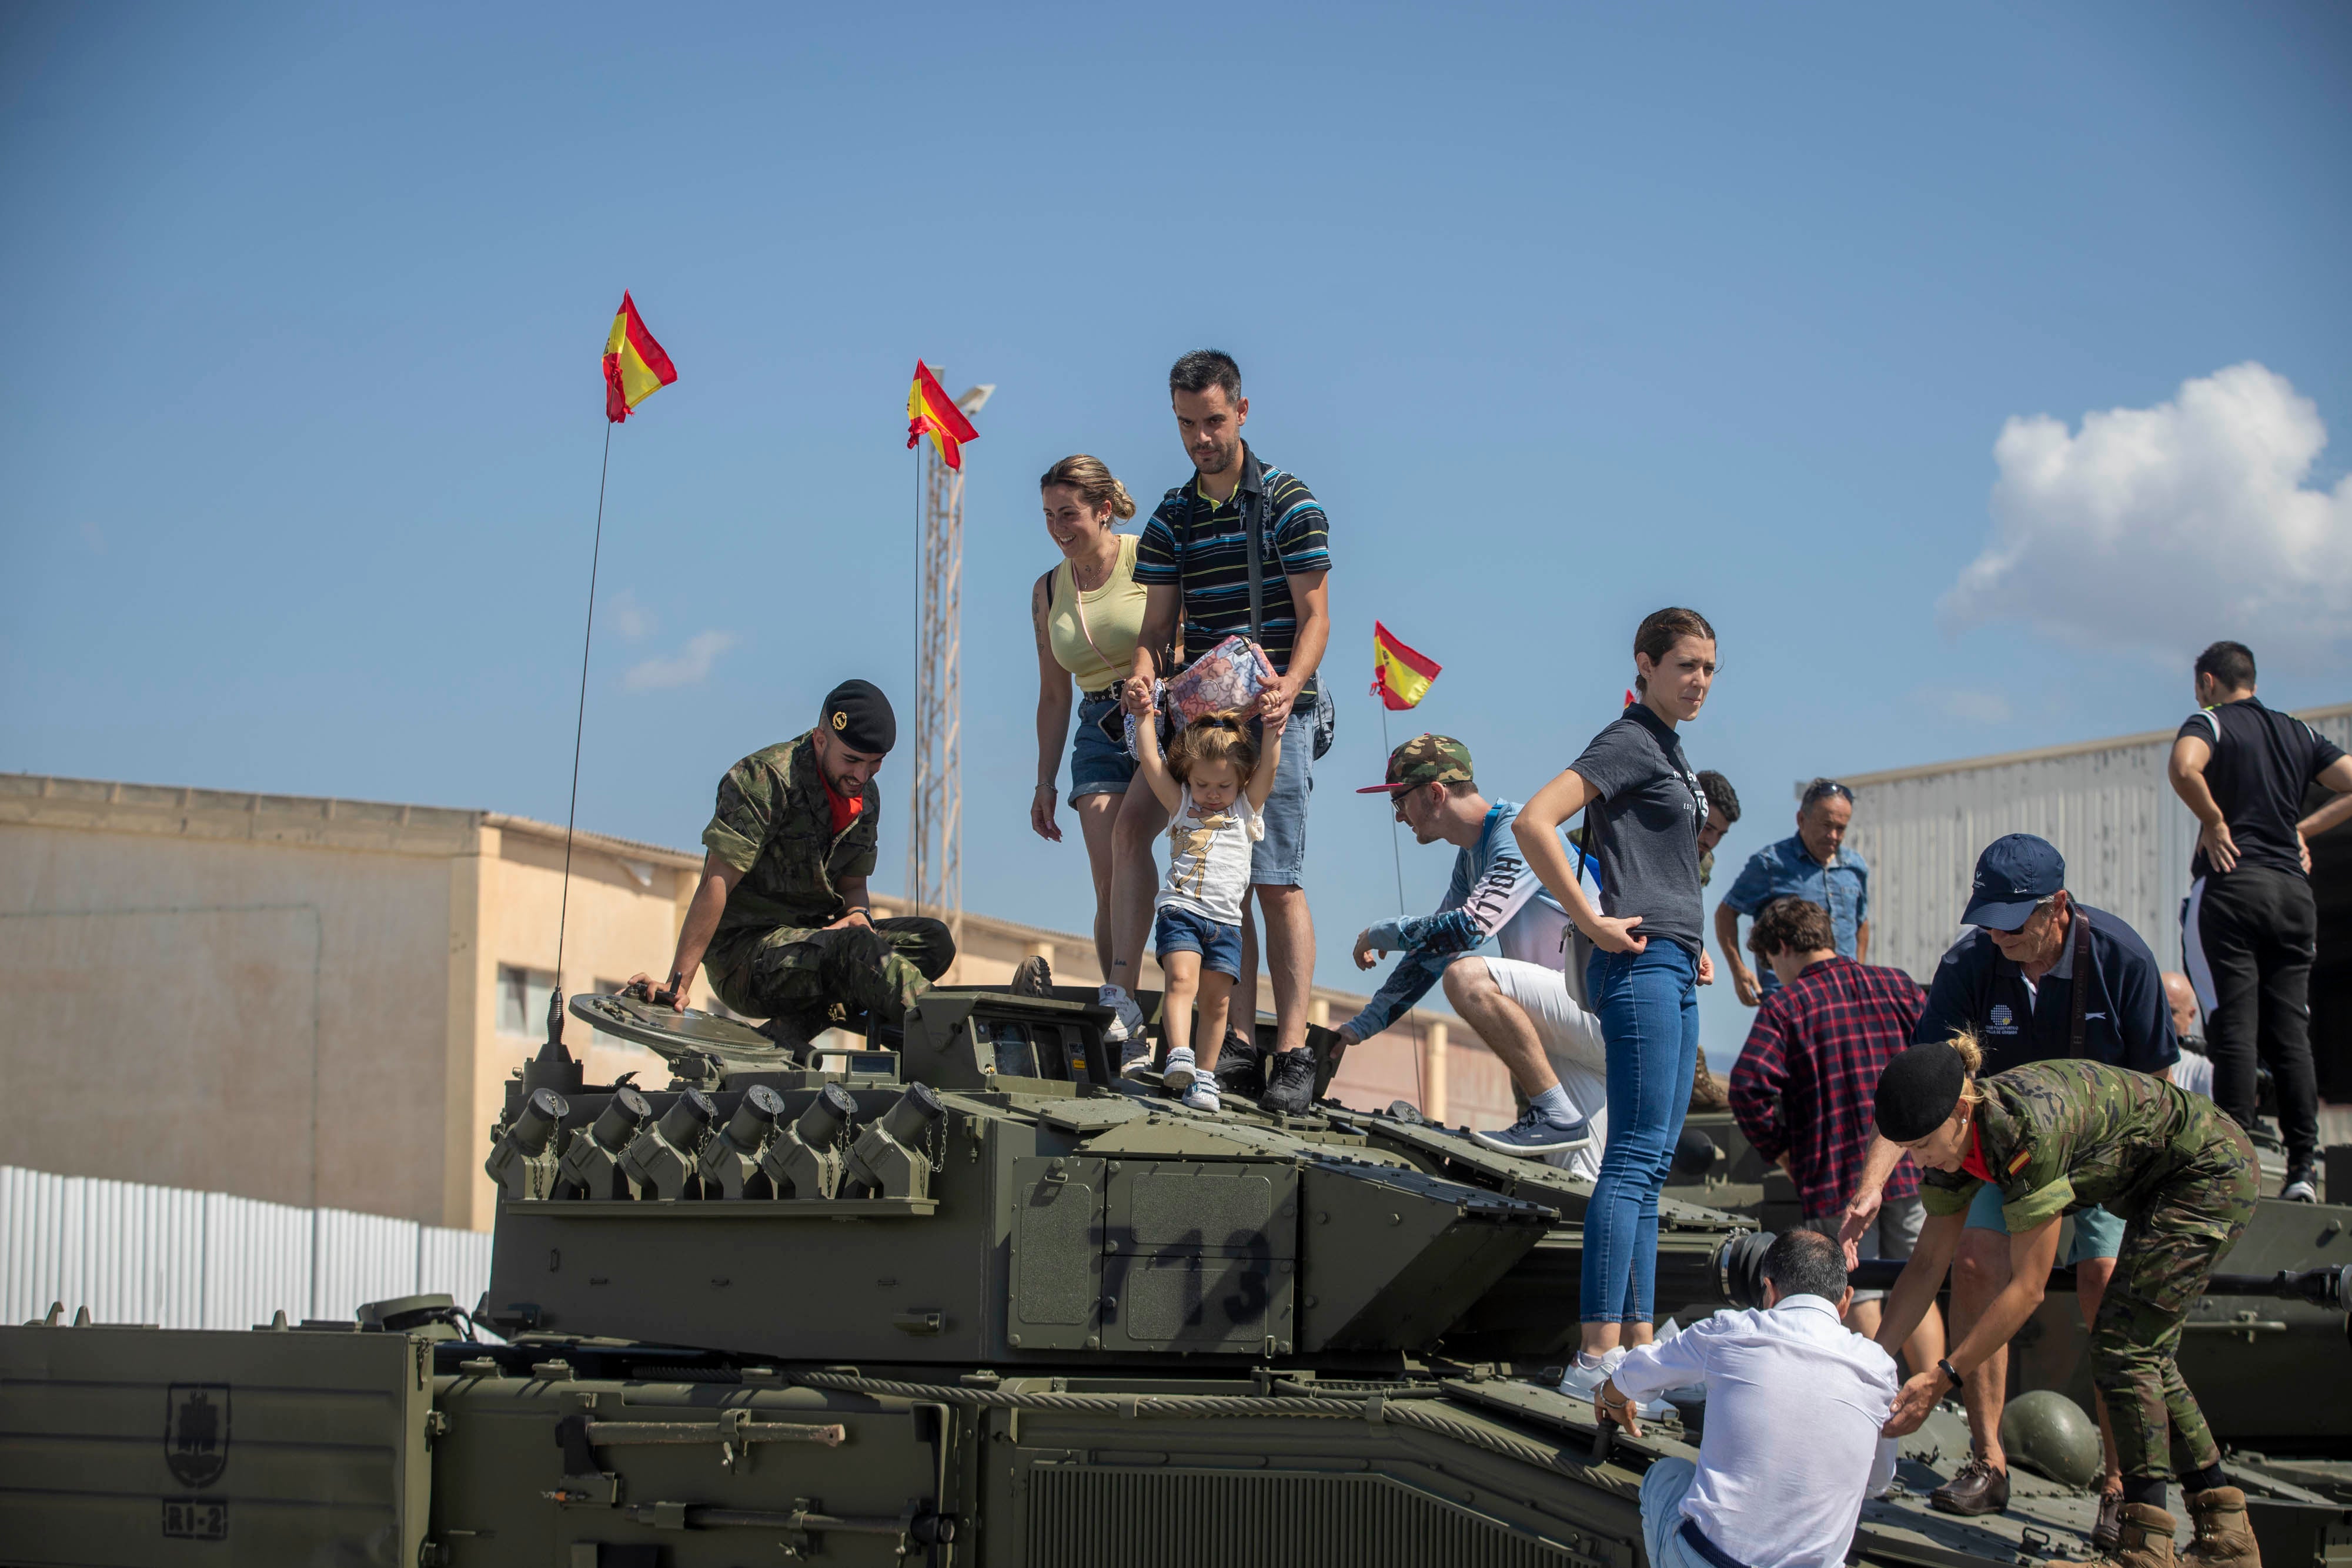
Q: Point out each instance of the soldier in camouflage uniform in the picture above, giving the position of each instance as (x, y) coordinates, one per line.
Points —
(2053, 1137)
(782, 923)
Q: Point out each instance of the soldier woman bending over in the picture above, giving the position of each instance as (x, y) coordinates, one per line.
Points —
(2053, 1137)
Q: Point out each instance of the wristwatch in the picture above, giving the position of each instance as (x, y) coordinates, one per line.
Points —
(1948, 1371)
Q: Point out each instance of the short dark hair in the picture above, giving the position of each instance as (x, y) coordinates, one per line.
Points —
(1791, 926)
(1806, 1263)
(2231, 664)
(1823, 789)
(1719, 793)
(1203, 369)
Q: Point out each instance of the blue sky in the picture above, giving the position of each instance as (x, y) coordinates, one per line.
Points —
(1566, 312)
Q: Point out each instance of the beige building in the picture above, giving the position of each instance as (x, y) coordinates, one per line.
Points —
(317, 1002)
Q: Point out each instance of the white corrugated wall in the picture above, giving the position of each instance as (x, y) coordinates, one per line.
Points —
(136, 1254)
(2127, 837)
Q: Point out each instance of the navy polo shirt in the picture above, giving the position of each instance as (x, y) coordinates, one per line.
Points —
(2126, 1022)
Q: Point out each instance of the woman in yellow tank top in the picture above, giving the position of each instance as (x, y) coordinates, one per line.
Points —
(1087, 612)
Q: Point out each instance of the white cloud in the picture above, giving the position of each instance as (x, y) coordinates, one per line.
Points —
(2163, 528)
(690, 667)
(629, 617)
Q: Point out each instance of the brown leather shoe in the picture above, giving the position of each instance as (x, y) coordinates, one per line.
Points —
(2146, 1541)
(1977, 1488)
(2224, 1539)
(2108, 1532)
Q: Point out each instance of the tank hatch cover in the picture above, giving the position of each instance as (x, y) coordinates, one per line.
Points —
(696, 1044)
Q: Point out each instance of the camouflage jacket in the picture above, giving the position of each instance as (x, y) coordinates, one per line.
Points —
(2063, 1135)
(772, 824)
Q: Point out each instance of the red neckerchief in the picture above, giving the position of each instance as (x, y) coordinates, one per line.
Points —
(844, 811)
(1973, 1162)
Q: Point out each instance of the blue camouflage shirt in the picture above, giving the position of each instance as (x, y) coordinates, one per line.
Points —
(1788, 870)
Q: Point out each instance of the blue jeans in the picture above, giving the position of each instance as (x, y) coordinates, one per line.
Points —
(1279, 857)
(1648, 1005)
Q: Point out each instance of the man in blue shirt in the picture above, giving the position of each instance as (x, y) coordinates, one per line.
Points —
(1811, 863)
(1517, 1001)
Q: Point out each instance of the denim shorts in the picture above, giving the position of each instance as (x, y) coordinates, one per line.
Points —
(1280, 858)
(1098, 765)
(2097, 1233)
(1179, 930)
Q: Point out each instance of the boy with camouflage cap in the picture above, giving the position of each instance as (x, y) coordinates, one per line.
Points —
(1517, 1002)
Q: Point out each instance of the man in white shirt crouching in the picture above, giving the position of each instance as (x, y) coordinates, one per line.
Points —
(1794, 1405)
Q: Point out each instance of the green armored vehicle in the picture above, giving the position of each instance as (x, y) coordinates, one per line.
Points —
(979, 1301)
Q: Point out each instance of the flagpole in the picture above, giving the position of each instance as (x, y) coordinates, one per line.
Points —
(579, 720)
(1396, 853)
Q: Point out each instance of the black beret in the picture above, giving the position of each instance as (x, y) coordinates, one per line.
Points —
(1918, 1090)
(860, 716)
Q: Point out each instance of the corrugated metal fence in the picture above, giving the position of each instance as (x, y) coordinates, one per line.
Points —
(182, 1259)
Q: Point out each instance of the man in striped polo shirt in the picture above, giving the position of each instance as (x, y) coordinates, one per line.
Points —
(1194, 559)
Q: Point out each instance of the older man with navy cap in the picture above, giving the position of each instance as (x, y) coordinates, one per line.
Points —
(782, 921)
(2040, 977)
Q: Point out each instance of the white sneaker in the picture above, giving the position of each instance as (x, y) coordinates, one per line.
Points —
(1127, 1019)
(1179, 1073)
(1580, 1380)
(1203, 1094)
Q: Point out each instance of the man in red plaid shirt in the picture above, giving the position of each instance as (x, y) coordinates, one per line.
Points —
(1803, 1088)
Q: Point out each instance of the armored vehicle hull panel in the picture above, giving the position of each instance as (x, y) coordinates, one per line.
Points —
(124, 1445)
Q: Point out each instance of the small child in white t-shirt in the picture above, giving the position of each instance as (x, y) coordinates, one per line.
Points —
(1215, 783)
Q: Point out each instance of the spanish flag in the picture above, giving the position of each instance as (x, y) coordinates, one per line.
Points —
(634, 366)
(1400, 678)
(928, 407)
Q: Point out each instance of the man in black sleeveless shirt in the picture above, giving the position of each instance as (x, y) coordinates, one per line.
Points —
(2250, 927)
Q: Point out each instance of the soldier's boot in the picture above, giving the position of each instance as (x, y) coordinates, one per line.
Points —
(2147, 1542)
(1708, 1092)
(2224, 1539)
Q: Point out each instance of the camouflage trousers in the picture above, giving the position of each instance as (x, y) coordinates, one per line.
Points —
(2168, 1251)
(801, 975)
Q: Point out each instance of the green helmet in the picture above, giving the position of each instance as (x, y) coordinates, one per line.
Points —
(2048, 1434)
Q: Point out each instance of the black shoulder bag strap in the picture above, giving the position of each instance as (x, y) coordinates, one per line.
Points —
(1253, 523)
(2080, 984)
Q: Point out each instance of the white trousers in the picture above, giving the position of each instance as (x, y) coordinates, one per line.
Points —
(1571, 1041)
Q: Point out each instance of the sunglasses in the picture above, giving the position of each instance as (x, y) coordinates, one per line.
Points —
(1821, 788)
(2012, 930)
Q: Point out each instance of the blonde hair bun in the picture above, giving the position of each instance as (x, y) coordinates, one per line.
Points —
(1971, 1052)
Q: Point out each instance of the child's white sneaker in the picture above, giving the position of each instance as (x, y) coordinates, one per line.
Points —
(1178, 1072)
(1203, 1094)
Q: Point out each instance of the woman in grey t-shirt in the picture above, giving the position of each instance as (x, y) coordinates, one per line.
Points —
(1647, 809)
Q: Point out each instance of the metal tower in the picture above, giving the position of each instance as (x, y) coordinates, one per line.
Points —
(935, 824)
